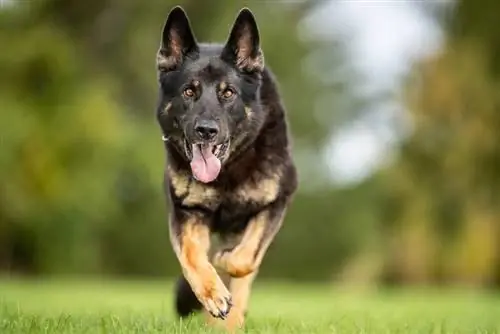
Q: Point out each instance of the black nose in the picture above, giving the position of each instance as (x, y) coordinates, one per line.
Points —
(206, 129)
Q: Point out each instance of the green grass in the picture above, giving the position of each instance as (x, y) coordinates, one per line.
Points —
(146, 307)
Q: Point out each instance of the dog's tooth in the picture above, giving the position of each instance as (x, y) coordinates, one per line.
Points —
(217, 149)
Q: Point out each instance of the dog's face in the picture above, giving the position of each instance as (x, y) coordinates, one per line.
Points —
(209, 104)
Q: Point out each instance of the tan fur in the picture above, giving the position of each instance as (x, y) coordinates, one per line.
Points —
(167, 108)
(248, 111)
(264, 191)
(240, 289)
(195, 193)
(179, 182)
(200, 194)
(241, 260)
(268, 238)
(242, 265)
(209, 319)
(201, 275)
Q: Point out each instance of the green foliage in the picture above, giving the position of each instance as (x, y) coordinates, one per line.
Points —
(66, 144)
(444, 184)
(82, 160)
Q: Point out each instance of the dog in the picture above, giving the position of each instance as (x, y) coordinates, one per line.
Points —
(229, 168)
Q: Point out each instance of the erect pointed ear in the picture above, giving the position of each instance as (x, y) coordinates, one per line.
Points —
(242, 48)
(177, 41)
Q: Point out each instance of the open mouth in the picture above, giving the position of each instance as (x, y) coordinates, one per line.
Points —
(217, 150)
(205, 159)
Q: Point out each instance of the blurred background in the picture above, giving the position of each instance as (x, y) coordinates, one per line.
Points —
(393, 105)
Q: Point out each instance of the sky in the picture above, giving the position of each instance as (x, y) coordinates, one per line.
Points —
(386, 36)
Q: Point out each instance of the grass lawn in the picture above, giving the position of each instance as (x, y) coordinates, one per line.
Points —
(146, 307)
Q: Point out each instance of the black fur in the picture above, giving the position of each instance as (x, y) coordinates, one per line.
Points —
(186, 302)
(250, 125)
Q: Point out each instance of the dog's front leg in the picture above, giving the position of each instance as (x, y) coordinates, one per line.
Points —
(246, 256)
(243, 260)
(190, 237)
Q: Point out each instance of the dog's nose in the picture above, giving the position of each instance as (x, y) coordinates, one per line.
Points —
(206, 129)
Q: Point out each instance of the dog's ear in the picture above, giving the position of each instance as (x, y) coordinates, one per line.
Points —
(177, 41)
(242, 48)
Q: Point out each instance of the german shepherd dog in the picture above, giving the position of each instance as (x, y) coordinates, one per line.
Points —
(229, 171)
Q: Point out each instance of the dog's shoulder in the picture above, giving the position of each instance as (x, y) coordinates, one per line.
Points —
(267, 171)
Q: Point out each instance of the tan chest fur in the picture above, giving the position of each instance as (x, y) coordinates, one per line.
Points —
(192, 192)
(262, 189)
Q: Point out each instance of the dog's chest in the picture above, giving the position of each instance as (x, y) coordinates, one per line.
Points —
(248, 194)
(243, 196)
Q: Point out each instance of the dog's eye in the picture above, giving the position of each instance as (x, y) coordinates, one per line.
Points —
(188, 92)
(227, 93)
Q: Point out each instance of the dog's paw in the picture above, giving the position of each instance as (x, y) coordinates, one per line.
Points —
(218, 301)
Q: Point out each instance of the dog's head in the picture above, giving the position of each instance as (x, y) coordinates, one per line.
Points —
(209, 104)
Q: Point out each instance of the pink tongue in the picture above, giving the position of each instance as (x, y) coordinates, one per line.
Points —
(205, 165)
